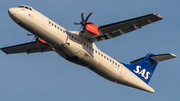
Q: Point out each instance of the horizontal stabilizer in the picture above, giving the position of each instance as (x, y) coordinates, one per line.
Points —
(162, 57)
(159, 57)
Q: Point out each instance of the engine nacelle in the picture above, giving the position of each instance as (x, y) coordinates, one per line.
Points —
(92, 28)
(90, 31)
(43, 42)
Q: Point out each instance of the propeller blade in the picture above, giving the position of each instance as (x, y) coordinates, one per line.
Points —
(76, 23)
(80, 28)
(34, 38)
(29, 34)
(88, 16)
(89, 23)
(82, 17)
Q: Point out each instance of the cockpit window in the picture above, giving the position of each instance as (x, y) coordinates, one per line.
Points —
(30, 8)
(26, 7)
(21, 6)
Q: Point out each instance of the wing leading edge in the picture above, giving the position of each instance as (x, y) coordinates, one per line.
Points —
(122, 27)
(31, 47)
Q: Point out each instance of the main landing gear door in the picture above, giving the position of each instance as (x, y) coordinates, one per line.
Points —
(80, 54)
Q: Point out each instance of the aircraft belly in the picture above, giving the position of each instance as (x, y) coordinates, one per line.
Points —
(80, 56)
(105, 73)
(89, 63)
(74, 54)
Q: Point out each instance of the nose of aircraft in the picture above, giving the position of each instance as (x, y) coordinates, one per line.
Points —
(12, 11)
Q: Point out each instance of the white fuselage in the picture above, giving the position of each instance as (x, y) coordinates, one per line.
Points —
(75, 48)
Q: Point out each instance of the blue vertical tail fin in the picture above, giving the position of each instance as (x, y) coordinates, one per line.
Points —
(144, 67)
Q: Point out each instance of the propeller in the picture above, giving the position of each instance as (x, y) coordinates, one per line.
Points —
(33, 37)
(29, 34)
(84, 21)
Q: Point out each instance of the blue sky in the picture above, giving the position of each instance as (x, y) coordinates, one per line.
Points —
(49, 77)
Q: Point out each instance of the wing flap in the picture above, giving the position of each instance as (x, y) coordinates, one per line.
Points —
(31, 47)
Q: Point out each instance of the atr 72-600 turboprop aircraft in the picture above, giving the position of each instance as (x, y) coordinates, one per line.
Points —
(79, 48)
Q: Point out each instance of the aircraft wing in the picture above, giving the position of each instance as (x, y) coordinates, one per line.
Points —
(120, 28)
(31, 47)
